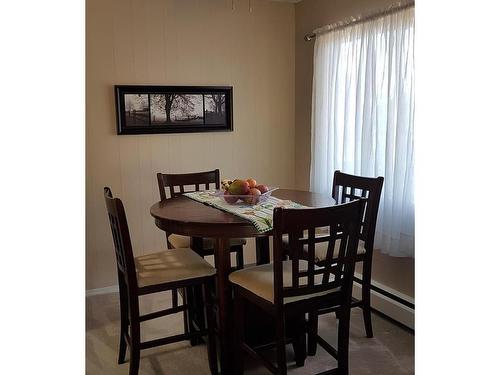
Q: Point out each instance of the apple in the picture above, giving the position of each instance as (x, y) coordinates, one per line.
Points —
(262, 188)
(230, 199)
(253, 196)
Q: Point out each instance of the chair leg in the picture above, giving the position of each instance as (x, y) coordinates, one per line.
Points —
(240, 263)
(239, 337)
(211, 345)
(134, 359)
(169, 245)
(195, 297)
(135, 337)
(281, 345)
(299, 342)
(343, 340)
(185, 313)
(123, 348)
(191, 311)
(123, 319)
(312, 343)
(366, 296)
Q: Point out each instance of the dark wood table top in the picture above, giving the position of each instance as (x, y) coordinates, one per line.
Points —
(182, 215)
(185, 216)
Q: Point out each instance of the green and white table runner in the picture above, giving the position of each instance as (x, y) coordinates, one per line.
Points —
(261, 215)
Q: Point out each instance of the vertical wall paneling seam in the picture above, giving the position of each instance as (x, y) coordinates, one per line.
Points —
(145, 144)
(164, 42)
(134, 32)
(90, 180)
(176, 38)
(114, 74)
(143, 206)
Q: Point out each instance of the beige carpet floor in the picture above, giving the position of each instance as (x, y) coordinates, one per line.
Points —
(391, 351)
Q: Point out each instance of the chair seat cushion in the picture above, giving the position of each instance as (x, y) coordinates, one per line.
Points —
(178, 241)
(260, 281)
(169, 266)
(322, 247)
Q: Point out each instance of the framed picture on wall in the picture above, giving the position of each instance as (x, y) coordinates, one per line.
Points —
(173, 109)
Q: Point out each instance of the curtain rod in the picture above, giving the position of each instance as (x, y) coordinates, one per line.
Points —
(359, 19)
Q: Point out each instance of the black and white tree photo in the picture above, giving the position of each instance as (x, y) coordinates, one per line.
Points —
(176, 108)
(186, 109)
(158, 112)
(173, 109)
(215, 108)
(136, 109)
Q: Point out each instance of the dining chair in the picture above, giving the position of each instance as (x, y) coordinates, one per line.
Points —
(152, 273)
(347, 187)
(298, 286)
(178, 184)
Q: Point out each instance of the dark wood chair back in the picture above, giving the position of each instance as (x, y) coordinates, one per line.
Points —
(121, 239)
(181, 181)
(300, 225)
(347, 187)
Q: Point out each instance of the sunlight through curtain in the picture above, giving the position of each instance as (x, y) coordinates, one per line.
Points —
(363, 115)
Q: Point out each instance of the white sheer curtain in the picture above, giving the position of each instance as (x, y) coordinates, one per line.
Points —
(362, 118)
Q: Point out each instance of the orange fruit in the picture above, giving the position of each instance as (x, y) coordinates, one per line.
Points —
(251, 183)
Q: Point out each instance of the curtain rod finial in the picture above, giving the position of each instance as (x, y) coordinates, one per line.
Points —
(309, 37)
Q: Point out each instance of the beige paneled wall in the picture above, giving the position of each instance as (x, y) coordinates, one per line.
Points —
(259, 50)
(204, 42)
(397, 273)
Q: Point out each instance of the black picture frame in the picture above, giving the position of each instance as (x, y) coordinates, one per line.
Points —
(144, 109)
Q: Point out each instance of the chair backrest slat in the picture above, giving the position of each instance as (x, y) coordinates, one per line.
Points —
(294, 239)
(360, 187)
(311, 256)
(183, 182)
(329, 255)
(344, 221)
(121, 238)
(342, 251)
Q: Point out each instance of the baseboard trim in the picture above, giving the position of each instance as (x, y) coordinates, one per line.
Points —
(393, 321)
(383, 303)
(105, 290)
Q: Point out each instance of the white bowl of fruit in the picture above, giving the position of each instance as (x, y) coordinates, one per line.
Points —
(247, 192)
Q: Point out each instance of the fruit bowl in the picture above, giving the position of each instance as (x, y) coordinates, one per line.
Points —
(246, 200)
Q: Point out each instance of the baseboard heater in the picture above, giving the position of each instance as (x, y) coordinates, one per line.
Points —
(389, 305)
(389, 295)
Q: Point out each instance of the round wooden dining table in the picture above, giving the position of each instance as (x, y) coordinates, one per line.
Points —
(184, 216)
